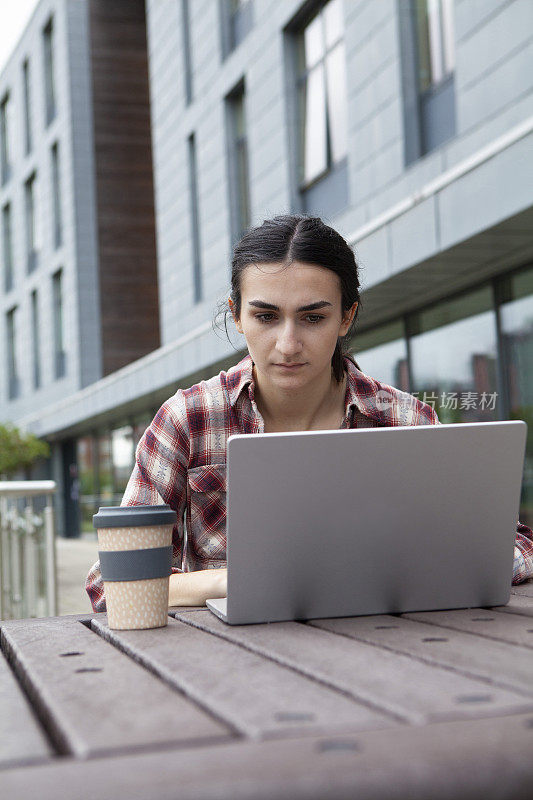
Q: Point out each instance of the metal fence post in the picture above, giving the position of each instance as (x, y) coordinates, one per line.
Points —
(16, 570)
(3, 562)
(30, 572)
(51, 586)
(27, 576)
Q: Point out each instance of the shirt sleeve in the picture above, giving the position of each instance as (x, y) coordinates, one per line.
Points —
(523, 554)
(159, 476)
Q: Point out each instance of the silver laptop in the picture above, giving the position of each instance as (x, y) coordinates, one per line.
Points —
(370, 521)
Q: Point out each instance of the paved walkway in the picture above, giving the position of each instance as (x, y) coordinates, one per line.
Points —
(74, 559)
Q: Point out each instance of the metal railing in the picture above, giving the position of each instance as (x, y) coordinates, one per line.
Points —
(28, 578)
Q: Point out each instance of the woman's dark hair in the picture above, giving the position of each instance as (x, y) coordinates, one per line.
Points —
(296, 237)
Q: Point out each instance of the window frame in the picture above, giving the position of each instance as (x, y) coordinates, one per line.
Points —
(7, 247)
(238, 162)
(57, 217)
(6, 154)
(26, 91)
(13, 376)
(50, 99)
(31, 222)
(36, 350)
(58, 319)
(302, 73)
(429, 113)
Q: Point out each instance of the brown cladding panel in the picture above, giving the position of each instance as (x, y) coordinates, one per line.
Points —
(124, 184)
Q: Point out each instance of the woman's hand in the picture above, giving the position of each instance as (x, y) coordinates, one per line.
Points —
(194, 588)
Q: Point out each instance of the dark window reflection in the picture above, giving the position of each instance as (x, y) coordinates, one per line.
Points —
(87, 474)
(382, 354)
(122, 459)
(517, 346)
(453, 359)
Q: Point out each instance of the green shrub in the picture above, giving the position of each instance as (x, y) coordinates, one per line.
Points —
(19, 450)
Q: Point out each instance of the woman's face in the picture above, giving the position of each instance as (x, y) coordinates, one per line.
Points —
(291, 316)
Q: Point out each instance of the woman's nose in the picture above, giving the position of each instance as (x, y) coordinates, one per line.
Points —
(288, 341)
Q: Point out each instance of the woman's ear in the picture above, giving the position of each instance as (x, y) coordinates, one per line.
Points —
(235, 320)
(348, 319)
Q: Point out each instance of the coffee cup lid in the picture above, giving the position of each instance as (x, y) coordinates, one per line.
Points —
(126, 516)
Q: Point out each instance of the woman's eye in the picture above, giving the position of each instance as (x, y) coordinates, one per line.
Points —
(312, 318)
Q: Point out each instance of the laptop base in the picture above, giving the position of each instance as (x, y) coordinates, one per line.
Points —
(219, 606)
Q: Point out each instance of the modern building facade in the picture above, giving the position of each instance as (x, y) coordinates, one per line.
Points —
(78, 258)
(405, 124)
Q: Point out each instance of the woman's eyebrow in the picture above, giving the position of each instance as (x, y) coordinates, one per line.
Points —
(310, 307)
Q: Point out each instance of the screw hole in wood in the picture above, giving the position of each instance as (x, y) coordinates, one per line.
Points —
(293, 716)
(89, 669)
(473, 698)
(336, 745)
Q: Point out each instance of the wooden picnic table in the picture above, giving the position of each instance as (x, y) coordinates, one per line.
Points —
(431, 705)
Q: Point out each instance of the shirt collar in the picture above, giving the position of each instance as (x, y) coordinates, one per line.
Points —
(361, 390)
(238, 378)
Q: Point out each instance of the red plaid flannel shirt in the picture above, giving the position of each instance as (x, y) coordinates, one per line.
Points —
(181, 460)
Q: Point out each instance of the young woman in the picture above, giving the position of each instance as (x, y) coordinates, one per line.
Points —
(295, 297)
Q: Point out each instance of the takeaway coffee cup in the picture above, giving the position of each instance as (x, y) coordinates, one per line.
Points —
(135, 550)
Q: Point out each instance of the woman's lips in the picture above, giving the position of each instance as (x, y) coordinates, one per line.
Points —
(289, 366)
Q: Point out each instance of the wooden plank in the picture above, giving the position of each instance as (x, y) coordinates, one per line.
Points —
(513, 629)
(91, 698)
(501, 664)
(518, 604)
(416, 692)
(257, 697)
(446, 761)
(525, 589)
(22, 740)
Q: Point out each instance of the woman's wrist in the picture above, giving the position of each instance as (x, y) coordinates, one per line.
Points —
(194, 588)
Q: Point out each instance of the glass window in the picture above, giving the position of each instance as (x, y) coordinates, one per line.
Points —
(6, 137)
(185, 25)
(35, 340)
(315, 126)
(239, 22)
(516, 319)
(49, 87)
(123, 456)
(382, 354)
(56, 193)
(7, 247)
(105, 470)
(239, 180)
(195, 228)
(58, 321)
(434, 28)
(322, 93)
(33, 223)
(140, 425)
(87, 474)
(428, 83)
(12, 361)
(337, 104)
(453, 358)
(27, 105)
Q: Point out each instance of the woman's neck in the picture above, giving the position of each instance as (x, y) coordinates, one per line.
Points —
(305, 409)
